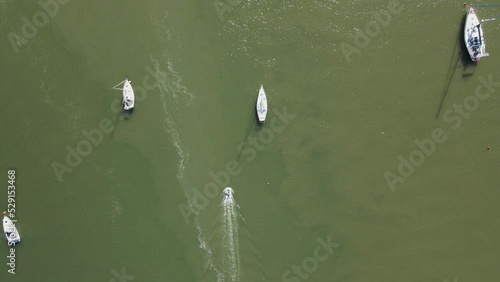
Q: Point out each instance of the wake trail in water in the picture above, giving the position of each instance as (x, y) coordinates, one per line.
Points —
(230, 240)
(174, 98)
(171, 89)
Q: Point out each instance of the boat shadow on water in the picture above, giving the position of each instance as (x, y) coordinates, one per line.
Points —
(121, 115)
(251, 127)
(459, 54)
(127, 114)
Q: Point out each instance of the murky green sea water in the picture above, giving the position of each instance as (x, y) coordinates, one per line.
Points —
(373, 164)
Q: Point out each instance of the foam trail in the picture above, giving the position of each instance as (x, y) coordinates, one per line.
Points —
(230, 240)
(176, 101)
(174, 96)
(169, 83)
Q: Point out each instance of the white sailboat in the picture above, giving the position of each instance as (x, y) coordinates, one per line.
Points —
(474, 36)
(261, 105)
(128, 94)
(10, 231)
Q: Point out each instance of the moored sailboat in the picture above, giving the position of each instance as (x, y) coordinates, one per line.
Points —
(474, 36)
(261, 105)
(127, 93)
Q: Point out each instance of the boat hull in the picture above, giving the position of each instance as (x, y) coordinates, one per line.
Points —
(474, 36)
(128, 95)
(261, 105)
(10, 231)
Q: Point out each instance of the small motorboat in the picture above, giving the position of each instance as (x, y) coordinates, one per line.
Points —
(474, 36)
(128, 94)
(262, 105)
(10, 231)
(228, 193)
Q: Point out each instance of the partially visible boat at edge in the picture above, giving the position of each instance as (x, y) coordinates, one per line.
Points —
(127, 93)
(262, 105)
(10, 231)
(474, 36)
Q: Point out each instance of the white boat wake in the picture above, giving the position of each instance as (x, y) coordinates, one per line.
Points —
(230, 240)
(173, 94)
(171, 88)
